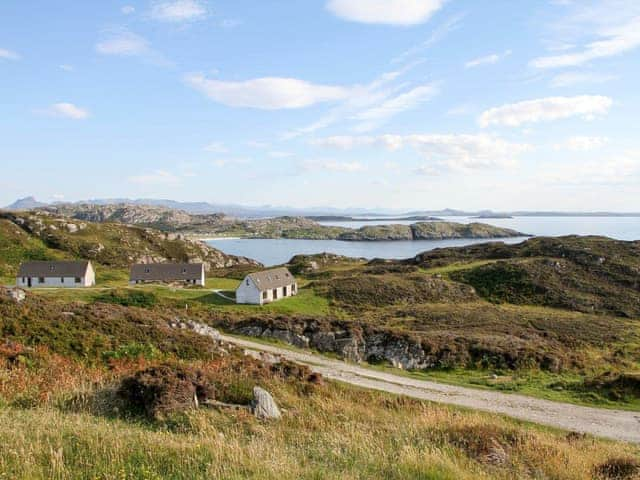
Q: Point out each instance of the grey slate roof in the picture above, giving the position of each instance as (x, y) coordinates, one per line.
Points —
(274, 278)
(166, 272)
(53, 269)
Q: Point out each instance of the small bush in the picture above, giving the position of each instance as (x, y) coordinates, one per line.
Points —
(129, 298)
(132, 351)
(621, 468)
(166, 389)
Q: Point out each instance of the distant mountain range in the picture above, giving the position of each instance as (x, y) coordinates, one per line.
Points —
(235, 210)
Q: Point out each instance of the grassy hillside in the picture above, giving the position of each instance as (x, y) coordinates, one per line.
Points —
(587, 274)
(43, 236)
(16, 246)
(62, 416)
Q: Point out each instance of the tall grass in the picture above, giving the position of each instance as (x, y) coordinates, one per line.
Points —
(72, 429)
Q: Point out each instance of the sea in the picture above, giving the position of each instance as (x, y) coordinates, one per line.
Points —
(278, 251)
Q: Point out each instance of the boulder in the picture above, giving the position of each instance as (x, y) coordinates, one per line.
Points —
(264, 406)
(17, 294)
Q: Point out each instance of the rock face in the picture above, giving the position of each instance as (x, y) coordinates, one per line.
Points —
(351, 344)
(197, 327)
(264, 406)
(358, 342)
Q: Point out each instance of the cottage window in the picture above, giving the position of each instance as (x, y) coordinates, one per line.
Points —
(264, 295)
(40, 279)
(247, 282)
(77, 279)
(61, 279)
(147, 270)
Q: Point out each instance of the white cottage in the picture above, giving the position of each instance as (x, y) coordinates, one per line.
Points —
(58, 274)
(266, 286)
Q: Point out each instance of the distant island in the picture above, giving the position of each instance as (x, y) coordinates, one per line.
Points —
(487, 216)
(234, 210)
(342, 218)
(204, 226)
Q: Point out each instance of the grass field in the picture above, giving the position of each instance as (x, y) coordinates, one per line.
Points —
(333, 431)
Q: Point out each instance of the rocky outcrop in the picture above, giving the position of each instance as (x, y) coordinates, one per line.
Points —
(357, 342)
(449, 230)
(119, 245)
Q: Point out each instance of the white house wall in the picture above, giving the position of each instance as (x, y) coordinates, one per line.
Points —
(248, 293)
(57, 282)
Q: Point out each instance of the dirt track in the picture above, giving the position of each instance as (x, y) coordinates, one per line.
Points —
(615, 424)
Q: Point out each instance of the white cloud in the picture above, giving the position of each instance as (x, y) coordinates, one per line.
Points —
(124, 43)
(269, 93)
(224, 162)
(612, 40)
(467, 152)
(426, 171)
(621, 170)
(393, 106)
(583, 143)
(8, 54)
(277, 154)
(179, 11)
(68, 110)
(487, 60)
(454, 151)
(332, 166)
(570, 79)
(390, 12)
(216, 147)
(360, 99)
(436, 36)
(546, 109)
(158, 177)
(66, 68)
(128, 9)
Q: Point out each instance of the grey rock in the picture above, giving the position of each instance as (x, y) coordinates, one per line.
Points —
(17, 294)
(264, 406)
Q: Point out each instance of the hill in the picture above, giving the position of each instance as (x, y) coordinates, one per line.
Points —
(587, 274)
(42, 236)
(206, 225)
(118, 385)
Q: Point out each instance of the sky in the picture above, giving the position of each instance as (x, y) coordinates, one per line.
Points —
(399, 104)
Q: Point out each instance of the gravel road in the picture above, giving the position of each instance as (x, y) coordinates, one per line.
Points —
(614, 424)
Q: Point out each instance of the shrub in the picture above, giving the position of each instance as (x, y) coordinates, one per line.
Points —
(620, 468)
(133, 350)
(129, 298)
(166, 389)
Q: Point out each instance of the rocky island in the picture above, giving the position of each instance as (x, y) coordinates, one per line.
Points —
(290, 227)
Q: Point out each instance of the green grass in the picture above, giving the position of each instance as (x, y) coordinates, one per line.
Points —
(456, 267)
(219, 283)
(334, 431)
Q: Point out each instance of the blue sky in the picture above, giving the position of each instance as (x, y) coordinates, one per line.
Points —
(367, 103)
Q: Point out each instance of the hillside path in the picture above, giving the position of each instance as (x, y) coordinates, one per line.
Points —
(614, 424)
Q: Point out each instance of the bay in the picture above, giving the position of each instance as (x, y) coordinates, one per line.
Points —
(277, 251)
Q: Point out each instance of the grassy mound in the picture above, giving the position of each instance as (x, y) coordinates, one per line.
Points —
(89, 330)
(366, 290)
(588, 274)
